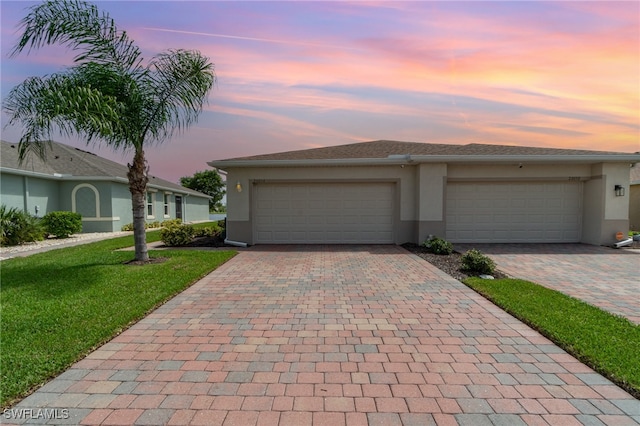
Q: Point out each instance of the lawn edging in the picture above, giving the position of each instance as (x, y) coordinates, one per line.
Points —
(607, 343)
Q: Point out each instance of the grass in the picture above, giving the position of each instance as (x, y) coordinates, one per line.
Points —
(59, 305)
(608, 343)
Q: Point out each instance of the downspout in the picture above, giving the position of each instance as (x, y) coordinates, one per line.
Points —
(235, 243)
(25, 180)
(184, 209)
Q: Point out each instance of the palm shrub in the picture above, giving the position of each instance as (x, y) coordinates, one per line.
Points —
(474, 261)
(62, 224)
(18, 227)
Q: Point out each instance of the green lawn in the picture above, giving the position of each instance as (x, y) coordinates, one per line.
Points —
(607, 343)
(59, 305)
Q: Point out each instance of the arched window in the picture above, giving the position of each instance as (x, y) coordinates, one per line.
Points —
(85, 199)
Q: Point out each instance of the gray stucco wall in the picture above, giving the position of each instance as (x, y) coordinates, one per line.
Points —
(12, 190)
(27, 192)
(196, 209)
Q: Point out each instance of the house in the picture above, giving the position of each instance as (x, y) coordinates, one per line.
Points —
(391, 192)
(634, 198)
(75, 180)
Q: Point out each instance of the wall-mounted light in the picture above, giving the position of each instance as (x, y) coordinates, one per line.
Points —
(239, 187)
(619, 190)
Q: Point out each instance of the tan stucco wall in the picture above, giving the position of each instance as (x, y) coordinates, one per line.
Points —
(239, 203)
(592, 210)
(605, 214)
(634, 207)
(421, 192)
(514, 172)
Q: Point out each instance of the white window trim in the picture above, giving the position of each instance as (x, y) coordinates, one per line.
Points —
(153, 204)
(167, 205)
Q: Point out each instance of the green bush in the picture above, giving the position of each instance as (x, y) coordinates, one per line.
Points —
(62, 224)
(18, 227)
(171, 222)
(177, 235)
(438, 246)
(152, 225)
(127, 227)
(475, 262)
(209, 231)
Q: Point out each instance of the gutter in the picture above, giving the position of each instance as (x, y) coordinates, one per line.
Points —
(58, 176)
(405, 159)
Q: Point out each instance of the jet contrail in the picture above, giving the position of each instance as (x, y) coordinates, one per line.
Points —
(264, 40)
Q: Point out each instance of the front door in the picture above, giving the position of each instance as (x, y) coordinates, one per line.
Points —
(179, 207)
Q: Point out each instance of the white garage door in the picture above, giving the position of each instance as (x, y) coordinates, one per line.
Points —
(316, 213)
(514, 212)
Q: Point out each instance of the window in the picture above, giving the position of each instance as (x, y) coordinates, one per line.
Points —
(166, 205)
(150, 204)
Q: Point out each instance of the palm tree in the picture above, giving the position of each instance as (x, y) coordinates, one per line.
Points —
(108, 95)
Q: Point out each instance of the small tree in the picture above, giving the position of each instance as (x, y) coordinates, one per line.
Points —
(208, 182)
(110, 94)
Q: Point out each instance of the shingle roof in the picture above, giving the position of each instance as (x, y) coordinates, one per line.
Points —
(385, 148)
(69, 161)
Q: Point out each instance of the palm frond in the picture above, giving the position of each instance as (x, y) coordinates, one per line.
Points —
(83, 28)
(180, 81)
(59, 102)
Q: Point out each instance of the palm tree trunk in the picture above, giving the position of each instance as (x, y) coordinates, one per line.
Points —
(138, 179)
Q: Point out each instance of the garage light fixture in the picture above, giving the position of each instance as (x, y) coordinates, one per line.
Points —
(619, 190)
(239, 187)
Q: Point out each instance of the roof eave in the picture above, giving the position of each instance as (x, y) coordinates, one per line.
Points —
(415, 159)
(117, 179)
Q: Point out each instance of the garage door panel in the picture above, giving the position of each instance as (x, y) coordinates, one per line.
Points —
(514, 212)
(324, 213)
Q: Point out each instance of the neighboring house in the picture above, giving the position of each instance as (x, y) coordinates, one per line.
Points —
(634, 198)
(397, 192)
(75, 180)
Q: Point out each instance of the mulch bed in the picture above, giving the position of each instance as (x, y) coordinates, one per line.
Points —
(450, 264)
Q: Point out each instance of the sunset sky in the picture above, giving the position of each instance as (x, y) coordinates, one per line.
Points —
(297, 75)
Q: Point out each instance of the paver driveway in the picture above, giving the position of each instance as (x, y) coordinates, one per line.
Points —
(601, 276)
(332, 335)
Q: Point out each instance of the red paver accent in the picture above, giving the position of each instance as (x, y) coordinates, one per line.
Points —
(123, 417)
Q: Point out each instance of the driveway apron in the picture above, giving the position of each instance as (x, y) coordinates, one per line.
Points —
(330, 335)
(601, 276)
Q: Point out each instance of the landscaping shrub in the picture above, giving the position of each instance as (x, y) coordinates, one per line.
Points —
(475, 262)
(18, 227)
(152, 225)
(127, 227)
(439, 246)
(62, 224)
(171, 222)
(177, 235)
(209, 231)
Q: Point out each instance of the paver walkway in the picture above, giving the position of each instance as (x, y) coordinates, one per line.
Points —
(601, 276)
(333, 335)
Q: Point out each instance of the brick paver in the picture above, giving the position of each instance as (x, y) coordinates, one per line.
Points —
(601, 276)
(296, 335)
